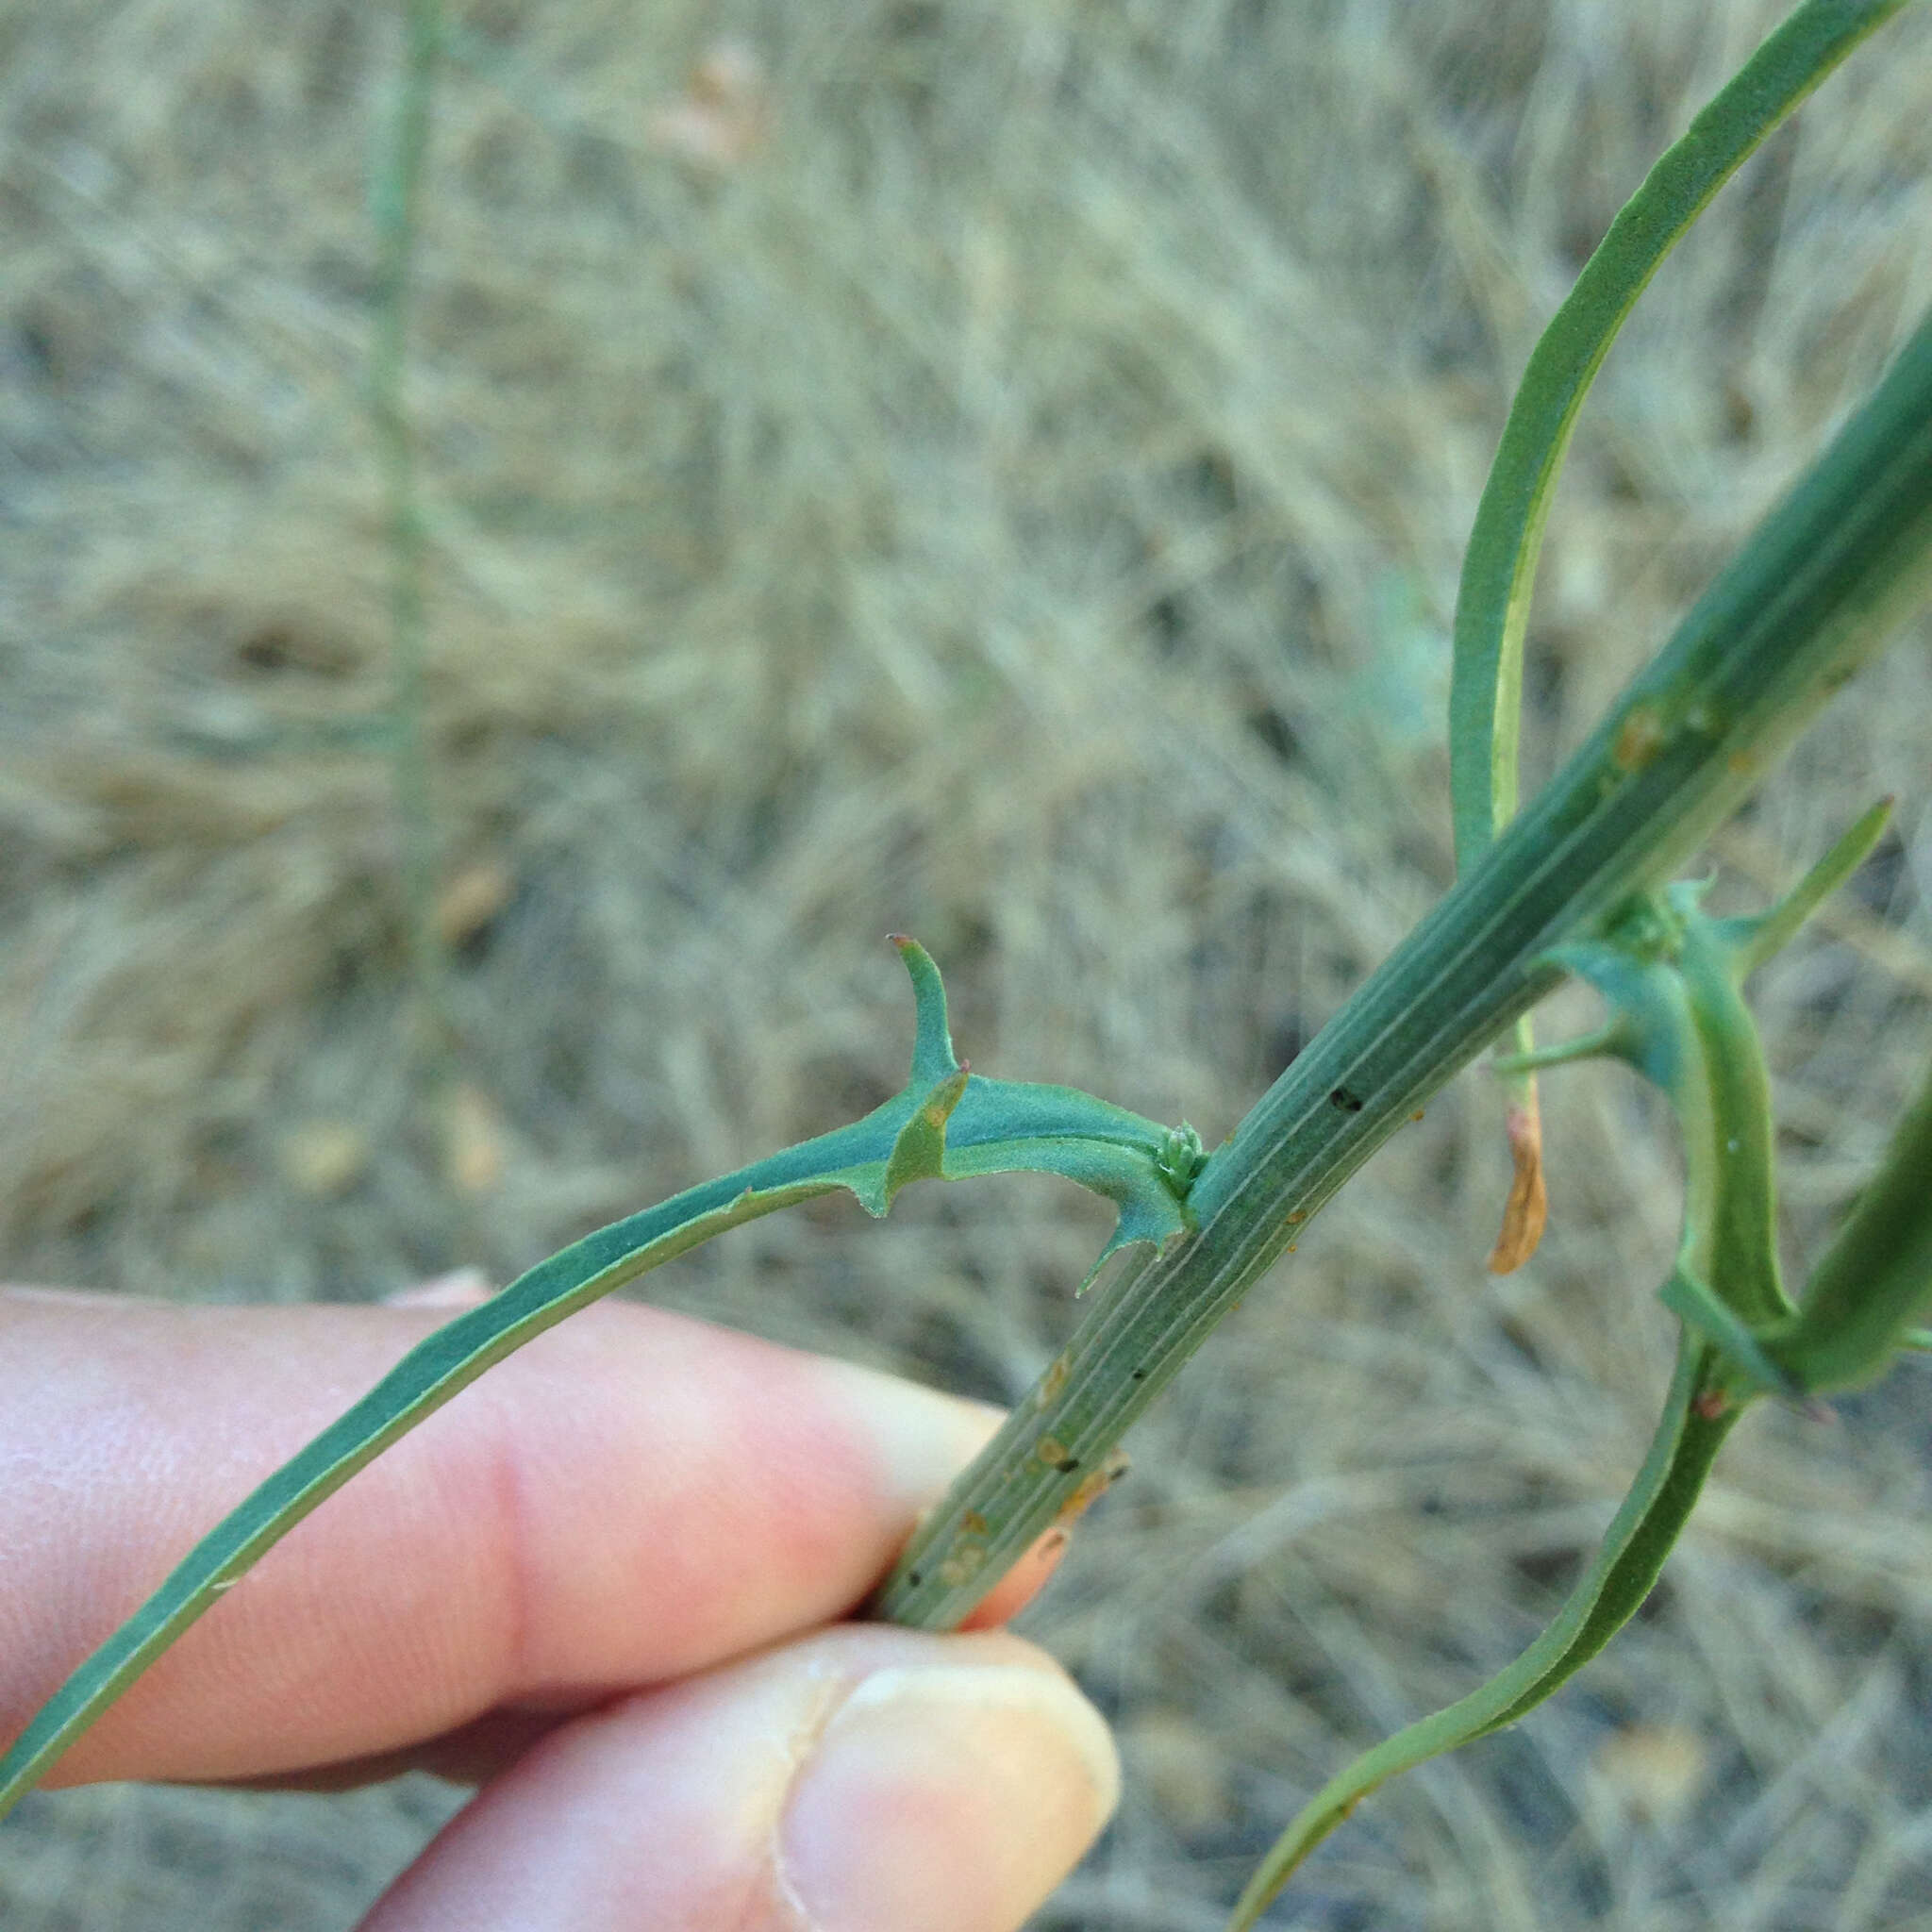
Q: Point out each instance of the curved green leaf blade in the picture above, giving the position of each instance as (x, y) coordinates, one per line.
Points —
(1499, 570)
(432, 1371)
(1499, 567)
(1671, 976)
(1687, 1439)
(943, 1124)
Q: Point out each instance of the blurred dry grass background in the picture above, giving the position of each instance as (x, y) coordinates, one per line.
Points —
(996, 471)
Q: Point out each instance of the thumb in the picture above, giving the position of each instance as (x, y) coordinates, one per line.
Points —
(862, 1779)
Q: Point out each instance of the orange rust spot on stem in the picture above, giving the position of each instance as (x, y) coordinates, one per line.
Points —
(962, 1563)
(1640, 738)
(1090, 1485)
(1056, 1378)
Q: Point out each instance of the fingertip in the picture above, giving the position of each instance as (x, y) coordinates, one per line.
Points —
(859, 1779)
(950, 1797)
(1021, 1584)
(921, 1437)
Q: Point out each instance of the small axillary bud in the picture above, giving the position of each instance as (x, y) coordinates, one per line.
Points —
(1180, 1157)
(1651, 927)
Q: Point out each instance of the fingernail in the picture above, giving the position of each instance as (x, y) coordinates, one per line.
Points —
(1019, 1585)
(947, 1797)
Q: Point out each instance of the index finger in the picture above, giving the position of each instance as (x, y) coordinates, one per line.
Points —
(633, 1496)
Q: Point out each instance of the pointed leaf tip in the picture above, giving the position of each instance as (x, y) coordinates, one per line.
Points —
(932, 1043)
(1754, 941)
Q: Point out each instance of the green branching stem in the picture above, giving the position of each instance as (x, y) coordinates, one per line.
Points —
(1816, 591)
(1674, 981)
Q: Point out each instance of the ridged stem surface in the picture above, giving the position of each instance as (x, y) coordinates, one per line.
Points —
(1818, 590)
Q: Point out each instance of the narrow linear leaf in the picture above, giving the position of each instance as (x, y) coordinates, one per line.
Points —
(1499, 568)
(1755, 940)
(1874, 1280)
(1633, 1552)
(943, 1124)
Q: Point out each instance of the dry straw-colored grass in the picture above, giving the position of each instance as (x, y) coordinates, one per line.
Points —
(996, 471)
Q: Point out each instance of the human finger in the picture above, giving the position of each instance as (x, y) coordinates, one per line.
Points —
(633, 1496)
(856, 1780)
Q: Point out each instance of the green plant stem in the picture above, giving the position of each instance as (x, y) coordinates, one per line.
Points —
(396, 198)
(1817, 591)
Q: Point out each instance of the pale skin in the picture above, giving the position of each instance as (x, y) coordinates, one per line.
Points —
(607, 1582)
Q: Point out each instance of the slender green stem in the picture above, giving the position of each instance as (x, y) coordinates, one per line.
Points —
(1818, 590)
(396, 197)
